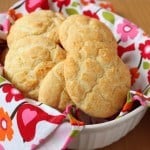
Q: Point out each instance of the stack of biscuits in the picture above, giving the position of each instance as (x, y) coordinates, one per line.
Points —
(61, 61)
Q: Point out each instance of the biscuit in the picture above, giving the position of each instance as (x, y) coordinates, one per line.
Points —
(29, 60)
(78, 28)
(43, 23)
(52, 89)
(97, 80)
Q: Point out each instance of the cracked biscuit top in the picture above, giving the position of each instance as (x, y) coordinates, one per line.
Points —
(97, 80)
(43, 23)
(29, 60)
(78, 29)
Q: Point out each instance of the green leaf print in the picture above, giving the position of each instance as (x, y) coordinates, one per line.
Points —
(75, 4)
(146, 65)
(109, 17)
(74, 133)
(1, 79)
(71, 11)
(129, 97)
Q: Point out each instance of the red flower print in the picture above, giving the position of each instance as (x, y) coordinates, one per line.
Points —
(145, 49)
(60, 3)
(90, 14)
(5, 126)
(85, 2)
(127, 106)
(134, 75)
(122, 50)
(148, 76)
(107, 6)
(32, 5)
(74, 121)
(14, 15)
(11, 93)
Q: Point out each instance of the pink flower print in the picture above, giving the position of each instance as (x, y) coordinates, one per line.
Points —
(11, 93)
(126, 30)
(32, 5)
(145, 49)
(1, 147)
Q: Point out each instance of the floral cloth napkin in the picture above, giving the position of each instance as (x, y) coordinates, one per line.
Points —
(27, 124)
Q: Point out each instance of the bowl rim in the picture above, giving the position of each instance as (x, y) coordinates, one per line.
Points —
(115, 121)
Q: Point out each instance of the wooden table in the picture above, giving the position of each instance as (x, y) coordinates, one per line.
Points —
(138, 12)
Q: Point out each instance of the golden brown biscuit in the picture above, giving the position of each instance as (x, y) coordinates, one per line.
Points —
(97, 80)
(78, 28)
(52, 89)
(43, 23)
(29, 60)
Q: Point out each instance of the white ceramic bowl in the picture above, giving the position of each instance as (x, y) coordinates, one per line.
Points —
(104, 134)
